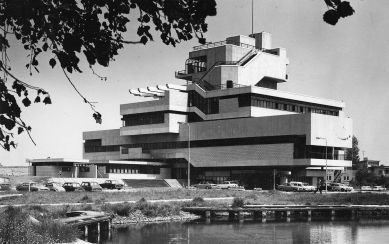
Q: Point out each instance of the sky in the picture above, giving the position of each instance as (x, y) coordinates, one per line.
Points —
(348, 62)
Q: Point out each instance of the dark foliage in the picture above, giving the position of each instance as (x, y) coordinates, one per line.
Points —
(337, 10)
(16, 228)
(92, 29)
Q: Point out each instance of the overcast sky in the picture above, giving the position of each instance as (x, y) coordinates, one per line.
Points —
(347, 62)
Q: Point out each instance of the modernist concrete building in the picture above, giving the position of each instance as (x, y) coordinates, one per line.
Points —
(229, 112)
(240, 126)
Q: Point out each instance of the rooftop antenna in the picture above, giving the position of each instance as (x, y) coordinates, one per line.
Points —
(252, 18)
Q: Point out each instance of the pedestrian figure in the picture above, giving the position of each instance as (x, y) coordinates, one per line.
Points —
(318, 187)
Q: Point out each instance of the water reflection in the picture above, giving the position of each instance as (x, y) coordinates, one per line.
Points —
(339, 231)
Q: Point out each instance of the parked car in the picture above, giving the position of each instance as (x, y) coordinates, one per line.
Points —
(228, 185)
(31, 186)
(206, 185)
(290, 187)
(366, 188)
(340, 187)
(91, 186)
(304, 186)
(112, 184)
(378, 188)
(54, 186)
(72, 186)
(309, 187)
(5, 184)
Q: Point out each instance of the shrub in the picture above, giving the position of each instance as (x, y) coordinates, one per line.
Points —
(86, 198)
(198, 202)
(122, 209)
(15, 228)
(142, 204)
(238, 202)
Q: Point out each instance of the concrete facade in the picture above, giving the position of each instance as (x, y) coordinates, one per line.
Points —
(232, 118)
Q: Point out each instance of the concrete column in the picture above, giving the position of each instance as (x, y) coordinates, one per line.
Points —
(287, 213)
(332, 212)
(309, 213)
(287, 219)
(98, 228)
(264, 214)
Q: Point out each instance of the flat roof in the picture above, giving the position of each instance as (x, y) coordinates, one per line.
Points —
(64, 160)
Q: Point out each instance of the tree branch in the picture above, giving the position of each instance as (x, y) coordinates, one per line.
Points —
(85, 100)
(25, 84)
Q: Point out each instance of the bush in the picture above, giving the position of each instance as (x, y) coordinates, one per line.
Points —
(86, 198)
(142, 204)
(121, 209)
(16, 228)
(238, 202)
(198, 202)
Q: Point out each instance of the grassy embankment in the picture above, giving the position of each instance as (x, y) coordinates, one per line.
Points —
(99, 201)
(250, 197)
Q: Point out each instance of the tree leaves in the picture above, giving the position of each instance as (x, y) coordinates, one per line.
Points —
(26, 102)
(47, 100)
(97, 117)
(339, 9)
(96, 27)
(52, 62)
(331, 17)
(8, 123)
(345, 9)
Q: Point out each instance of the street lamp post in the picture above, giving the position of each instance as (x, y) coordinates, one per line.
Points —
(326, 159)
(184, 123)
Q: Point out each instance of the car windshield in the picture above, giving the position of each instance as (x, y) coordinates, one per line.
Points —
(4, 180)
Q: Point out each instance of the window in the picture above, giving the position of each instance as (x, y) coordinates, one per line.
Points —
(143, 119)
(66, 169)
(197, 64)
(84, 169)
(206, 105)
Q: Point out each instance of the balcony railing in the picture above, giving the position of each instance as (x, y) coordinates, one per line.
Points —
(222, 43)
(329, 156)
(208, 87)
(181, 72)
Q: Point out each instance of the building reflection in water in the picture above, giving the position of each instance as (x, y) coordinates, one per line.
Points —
(362, 231)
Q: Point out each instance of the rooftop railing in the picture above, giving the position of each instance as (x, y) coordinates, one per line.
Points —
(222, 43)
(229, 42)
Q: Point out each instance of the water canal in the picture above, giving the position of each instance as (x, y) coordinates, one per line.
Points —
(254, 231)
